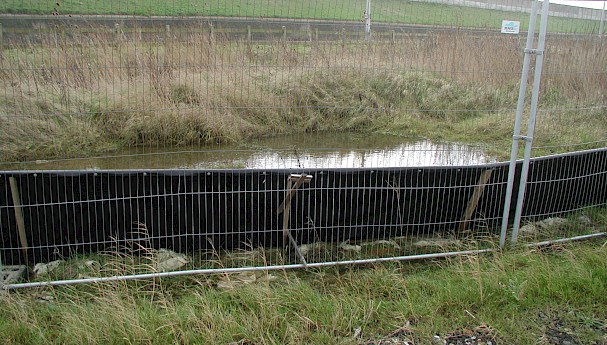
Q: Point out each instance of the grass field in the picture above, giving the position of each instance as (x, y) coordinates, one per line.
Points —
(554, 295)
(393, 11)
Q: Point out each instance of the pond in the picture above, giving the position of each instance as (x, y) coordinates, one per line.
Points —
(304, 151)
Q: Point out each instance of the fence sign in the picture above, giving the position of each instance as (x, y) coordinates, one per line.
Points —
(510, 27)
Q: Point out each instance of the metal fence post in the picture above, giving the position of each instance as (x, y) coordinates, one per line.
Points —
(517, 123)
(116, 32)
(368, 21)
(537, 78)
(601, 25)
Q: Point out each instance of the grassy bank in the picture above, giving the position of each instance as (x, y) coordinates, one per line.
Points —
(67, 97)
(521, 296)
(393, 11)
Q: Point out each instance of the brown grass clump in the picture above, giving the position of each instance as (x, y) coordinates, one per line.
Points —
(64, 96)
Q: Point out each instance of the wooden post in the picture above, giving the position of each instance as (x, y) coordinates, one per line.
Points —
(211, 32)
(393, 36)
(476, 196)
(286, 214)
(249, 33)
(19, 216)
(316, 34)
(343, 37)
(167, 31)
(294, 181)
(284, 33)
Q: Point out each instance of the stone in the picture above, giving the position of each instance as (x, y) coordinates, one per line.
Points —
(349, 247)
(527, 229)
(584, 219)
(305, 249)
(547, 223)
(41, 269)
(12, 274)
(168, 260)
(439, 242)
(552, 222)
(384, 243)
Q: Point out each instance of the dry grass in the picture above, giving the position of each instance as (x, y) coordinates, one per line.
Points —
(65, 97)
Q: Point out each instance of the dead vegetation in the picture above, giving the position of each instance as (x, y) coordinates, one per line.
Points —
(71, 96)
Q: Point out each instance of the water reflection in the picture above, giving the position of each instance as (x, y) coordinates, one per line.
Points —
(424, 153)
(321, 150)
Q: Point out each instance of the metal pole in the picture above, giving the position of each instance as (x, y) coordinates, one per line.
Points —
(243, 269)
(517, 122)
(368, 21)
(537, 78)
(602, 26)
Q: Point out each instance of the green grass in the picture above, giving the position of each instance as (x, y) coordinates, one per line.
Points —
(521, 296)
(394, 11)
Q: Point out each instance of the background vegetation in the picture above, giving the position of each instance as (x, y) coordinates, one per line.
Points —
(391, 11)
(68, 96)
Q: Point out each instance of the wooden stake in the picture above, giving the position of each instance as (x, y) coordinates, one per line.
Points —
(285, 217)
(19, 216)
(476, 196)
(294, 181)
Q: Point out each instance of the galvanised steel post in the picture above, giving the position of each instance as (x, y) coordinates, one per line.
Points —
(537, 78)
(517, 122)
(368, 21)
(602, 25)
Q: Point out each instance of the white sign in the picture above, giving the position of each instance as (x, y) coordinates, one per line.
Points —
(510, 27)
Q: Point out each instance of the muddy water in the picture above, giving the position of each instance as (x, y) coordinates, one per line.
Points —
(307, 151)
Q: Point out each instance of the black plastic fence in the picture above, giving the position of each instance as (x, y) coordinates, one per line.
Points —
(69, 212)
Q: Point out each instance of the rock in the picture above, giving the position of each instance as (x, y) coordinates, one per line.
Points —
(41, 269)
(348, 247)
(382, 243)
(436, 243)
(92, 264)
(547, 223)
(552, 222)
(168, 260)
(437, 340)
(304, 249)
(527, 229)
(584, 219)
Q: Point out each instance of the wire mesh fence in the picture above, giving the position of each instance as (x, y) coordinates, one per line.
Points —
(287, 133)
